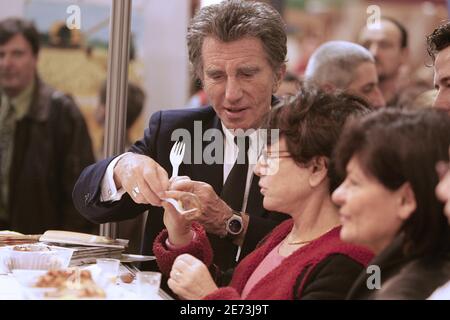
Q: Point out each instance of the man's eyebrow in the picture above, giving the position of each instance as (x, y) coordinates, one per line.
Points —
(213, 71)
(249, 69)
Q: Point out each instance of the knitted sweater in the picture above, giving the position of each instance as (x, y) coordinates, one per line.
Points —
(323, 269)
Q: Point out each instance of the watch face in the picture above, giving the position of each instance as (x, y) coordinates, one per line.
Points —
(235, 226)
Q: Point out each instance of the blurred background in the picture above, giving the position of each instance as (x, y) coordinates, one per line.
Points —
(75, 61)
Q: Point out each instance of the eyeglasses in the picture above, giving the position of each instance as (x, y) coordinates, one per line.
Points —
(267, 158)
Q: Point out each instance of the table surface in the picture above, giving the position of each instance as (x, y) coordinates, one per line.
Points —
(11, 289)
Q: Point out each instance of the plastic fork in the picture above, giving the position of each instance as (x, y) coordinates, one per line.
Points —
(176, 157)
(178, 206)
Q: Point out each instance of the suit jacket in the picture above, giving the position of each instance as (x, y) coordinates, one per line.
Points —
(402, 277)
(323, 269)
(157, 143)
(51, 147)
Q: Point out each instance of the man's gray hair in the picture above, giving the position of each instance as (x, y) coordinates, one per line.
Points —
(335, 62)
(236, 19)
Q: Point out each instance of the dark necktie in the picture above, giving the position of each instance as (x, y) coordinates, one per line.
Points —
(233, 194)
(234, 188)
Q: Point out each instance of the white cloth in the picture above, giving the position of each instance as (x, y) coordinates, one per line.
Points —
(109, 189)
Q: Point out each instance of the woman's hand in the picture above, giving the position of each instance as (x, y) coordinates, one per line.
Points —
(213, 212)
(179, 225)
(190, 278)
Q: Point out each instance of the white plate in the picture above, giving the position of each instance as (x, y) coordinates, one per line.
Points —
(27, 278)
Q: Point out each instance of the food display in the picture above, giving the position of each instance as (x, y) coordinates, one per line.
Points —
(35, 257)
(9, 238)
(70, 283)
(31, 248)
(86, 239)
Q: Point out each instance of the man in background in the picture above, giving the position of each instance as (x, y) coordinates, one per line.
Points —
(439, 50)
(135, 104)
(346, 66)
(44, 142)
(289, 86)
(388, 43)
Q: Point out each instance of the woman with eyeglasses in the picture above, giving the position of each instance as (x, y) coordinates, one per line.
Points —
(302, 258)
(388, 201)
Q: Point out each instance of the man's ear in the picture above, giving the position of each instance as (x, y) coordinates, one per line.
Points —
(199, 79)
(279, 76)
(407, 201)
(319, 171)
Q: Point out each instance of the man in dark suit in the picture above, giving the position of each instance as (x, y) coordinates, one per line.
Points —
(238, 51)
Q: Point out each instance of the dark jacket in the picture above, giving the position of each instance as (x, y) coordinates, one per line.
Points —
(402, 277)
(157, 143)
(51, 146)
(323, 269)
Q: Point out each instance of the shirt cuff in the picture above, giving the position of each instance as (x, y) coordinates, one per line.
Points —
(108, 186)
(171, 246)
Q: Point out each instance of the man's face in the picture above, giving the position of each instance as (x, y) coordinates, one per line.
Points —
(238, 80)
(17, 65)
(442, 80)
(365, 85)
(385, 45)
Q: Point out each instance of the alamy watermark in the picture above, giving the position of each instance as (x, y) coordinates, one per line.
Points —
(374, 280)
(374, 19)
(208, 147)
(74, 20)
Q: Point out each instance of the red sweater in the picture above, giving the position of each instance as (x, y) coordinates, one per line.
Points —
(279, 284)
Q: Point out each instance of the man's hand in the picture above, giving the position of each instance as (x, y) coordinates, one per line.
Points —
(214, 212)
(142, 177)
(190, 278)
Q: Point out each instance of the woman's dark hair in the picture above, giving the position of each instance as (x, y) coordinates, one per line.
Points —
(398, 146)
(13, 26)
(311, 123)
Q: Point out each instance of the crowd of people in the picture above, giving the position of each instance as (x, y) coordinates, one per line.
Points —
(307, 192)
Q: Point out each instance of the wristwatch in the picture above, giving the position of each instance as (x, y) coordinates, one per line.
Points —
(234, 224)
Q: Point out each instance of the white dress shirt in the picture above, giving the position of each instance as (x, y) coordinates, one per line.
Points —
(109, 189)
(230, 155)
